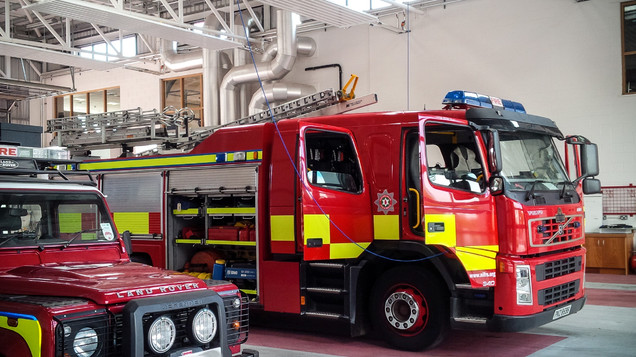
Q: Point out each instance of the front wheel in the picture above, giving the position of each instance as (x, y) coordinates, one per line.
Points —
(409, 309)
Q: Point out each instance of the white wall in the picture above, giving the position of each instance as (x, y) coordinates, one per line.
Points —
(561, 59)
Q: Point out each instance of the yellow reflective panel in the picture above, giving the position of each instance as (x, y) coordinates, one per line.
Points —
(317, 226)
(29, 329)
(346, 250)
(478, 257)
(135, 222)
(70, 222)
(386, 227)
(282, 228)
(447, 236)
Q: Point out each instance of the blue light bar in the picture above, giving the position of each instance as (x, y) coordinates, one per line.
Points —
(465, 99)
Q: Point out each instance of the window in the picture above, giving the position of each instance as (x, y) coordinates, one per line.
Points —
(93, 102)
(628, 26)
(101, 51)
(184, 92)
(28, 219)
(332, 161)
(452, 158)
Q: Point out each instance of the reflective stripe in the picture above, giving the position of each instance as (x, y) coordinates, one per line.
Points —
(170, 161)
(346, 250)
(447, 237)
(317, 226)
(282, 228)
(386, 227)
(135, 222)
(232, 210)
(478, 257)
(28, 327)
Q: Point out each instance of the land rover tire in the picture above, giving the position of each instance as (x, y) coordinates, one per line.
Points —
(409, 308)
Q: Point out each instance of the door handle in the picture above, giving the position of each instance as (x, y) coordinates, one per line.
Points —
(314, 242)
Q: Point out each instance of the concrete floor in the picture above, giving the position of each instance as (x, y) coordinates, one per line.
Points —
(605, 327)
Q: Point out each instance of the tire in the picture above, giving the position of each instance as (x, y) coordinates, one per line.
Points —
(409, 308)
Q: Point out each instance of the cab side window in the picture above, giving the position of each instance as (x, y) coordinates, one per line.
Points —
(332, 161)
(452, 158)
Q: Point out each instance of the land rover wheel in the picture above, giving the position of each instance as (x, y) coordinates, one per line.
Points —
(408, 309)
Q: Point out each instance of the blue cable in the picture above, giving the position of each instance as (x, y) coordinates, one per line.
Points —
(291, 160)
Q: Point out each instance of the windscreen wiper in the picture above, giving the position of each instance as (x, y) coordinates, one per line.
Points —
(530, 193)
(79, 234)
(27, 235)
(563, 191)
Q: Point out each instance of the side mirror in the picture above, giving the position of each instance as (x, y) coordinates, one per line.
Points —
(589, 160)
(496, 185)
(591, 186)
(126, 237)
(494, 153)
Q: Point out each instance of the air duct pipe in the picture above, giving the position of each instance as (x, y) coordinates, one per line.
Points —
(267, 71)
(179, 61)
(305, 46)
(278, 93)
(215, 65)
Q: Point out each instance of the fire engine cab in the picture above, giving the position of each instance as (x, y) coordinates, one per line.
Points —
(404, 223)
(68, 288)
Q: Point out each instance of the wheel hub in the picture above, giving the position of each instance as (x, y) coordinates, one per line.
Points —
(402, 310)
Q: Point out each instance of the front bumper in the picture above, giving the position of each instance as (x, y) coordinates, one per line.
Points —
(506, 323)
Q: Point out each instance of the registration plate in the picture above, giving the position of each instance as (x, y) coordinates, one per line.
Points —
(559, 313)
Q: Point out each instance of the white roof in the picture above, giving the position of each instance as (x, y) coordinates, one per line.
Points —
(53, 186)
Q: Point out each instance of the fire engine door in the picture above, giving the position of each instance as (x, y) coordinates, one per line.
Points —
(458, 211)
(335, 220)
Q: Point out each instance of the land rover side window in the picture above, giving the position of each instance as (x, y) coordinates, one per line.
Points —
(332, 161)
(28, 219)
(452, 158)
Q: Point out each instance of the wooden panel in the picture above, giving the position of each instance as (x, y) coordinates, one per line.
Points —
(608, 252)
(594, 256)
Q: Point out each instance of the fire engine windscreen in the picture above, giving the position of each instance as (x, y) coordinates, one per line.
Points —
(28, 219)
(529, 160)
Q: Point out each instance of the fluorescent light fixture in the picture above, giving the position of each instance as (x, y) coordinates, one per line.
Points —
(324, 11)
(129, 21)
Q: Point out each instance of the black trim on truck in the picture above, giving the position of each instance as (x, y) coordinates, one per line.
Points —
(506, 323)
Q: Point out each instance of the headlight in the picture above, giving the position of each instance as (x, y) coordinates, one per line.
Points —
(85, 342)
(524, 286)
(161, 335)
(204, 325)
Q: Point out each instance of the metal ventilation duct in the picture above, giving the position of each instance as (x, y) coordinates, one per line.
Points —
(129, 21)
(324, 11)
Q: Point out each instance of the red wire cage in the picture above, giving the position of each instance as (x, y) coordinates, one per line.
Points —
(619, 200)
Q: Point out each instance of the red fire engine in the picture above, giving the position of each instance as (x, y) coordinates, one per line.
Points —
(68, 288)
(406, 222)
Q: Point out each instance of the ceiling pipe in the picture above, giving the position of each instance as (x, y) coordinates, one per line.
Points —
(267, 71)
(178, 62)
(278, 93)
(305, 46)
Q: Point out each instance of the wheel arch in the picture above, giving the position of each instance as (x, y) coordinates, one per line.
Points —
(448, 270)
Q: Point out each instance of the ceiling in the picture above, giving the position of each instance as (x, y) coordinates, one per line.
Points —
(47, 36)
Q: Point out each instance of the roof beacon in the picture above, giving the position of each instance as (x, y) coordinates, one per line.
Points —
(460, 99)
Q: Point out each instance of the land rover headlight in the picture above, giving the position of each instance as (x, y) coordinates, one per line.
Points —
(204, 325)
(85, 342)
(161, 335)
(524, 286)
